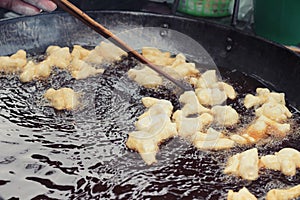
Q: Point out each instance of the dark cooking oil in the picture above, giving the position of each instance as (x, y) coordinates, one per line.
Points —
(82, 154)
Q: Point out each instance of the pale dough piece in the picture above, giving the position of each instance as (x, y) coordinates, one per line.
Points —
(81, 70)
(211, 96)
(284, 194)
(225, 115)
(220, 144)
(145, 77)
(210, 91)
(187, 127)
(13, 63)
(182, 68)
(104, 52)
(179, 60)
(185, 70)
(153, 127)
(270, 162)
(245, 165)
(156, 118)
(94, 57)
(33, 71)
(274, 111)
(228, 89)
(242, 194)
(212, 140)
(191, 104)
(242, 139)
(286, 160)
(210, 135)
(176, 67)
(193, 81)
(62, 99)
(148, 137)
(264, 126)
(80, 52)
(207, 79)
(145, 146)
(263, 96)
(165, 105)
(110, 52)
(59, 57)
(157, 57)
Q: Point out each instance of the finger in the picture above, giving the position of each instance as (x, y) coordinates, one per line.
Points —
(19, 6)
(46, 5)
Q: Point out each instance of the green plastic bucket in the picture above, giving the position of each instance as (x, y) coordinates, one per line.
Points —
(206, 8)
(278, 20)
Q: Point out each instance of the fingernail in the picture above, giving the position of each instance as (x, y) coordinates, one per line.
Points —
(49, 6)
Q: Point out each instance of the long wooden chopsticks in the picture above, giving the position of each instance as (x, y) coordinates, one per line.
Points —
(294, 49)
(79, 14)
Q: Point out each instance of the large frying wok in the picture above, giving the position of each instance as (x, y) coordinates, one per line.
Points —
(61, 161)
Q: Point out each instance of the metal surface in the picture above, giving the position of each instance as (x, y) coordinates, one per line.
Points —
(82, 154)
(229, 48)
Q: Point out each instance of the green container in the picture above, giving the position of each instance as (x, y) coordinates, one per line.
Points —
(278, 20)
(206, 8)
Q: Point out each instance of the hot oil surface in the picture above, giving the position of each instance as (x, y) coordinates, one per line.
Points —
(82, 154)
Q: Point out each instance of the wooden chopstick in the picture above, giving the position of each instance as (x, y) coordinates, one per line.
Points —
(79, 14)
(294, 49)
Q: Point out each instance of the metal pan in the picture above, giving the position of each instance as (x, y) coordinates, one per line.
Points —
(82, 154)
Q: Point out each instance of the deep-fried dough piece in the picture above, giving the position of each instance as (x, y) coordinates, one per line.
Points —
(212, 140)
(242, 194)
(264, 126)
(153, 127)
(211, 96)
(242, 139)
(145, 77)
(228, 89)
(274, 111)
(108, 51)
(284, 194)
(59, 57)
(187, 127)
(153, 120)
(80, 52)
(165, 105)
(286, 161)
(182, 68)
(176, 67)
(244, 164)
(263, 96)
(33, 71)
(146, 146)
(62, 99)
(13, 63)
(94, 57)
(211, 92)
(191, 104)
(80, 69)
(207, 79)
(157, 57)
(225, 115)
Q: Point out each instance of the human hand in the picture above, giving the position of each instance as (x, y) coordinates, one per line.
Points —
(28, 7)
